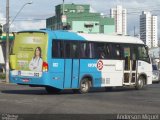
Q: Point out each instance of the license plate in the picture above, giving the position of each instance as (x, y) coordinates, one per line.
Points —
(25, 80)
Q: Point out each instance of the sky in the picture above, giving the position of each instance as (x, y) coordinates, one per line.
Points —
(33, 15)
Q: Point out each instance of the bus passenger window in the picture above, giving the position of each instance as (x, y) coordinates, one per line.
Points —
(74, 50)
(57, 49)
(116, 51)
(91, 50)
(102, 51)
(67, 49)
(143, 54)
(83, 50)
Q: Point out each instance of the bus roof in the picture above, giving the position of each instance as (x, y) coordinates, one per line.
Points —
(111, 38)
(97, 37)
(69, 35)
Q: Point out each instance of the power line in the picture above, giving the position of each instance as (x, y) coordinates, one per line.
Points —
(135, 12)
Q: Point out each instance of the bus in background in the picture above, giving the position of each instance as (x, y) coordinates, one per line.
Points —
(59, 60)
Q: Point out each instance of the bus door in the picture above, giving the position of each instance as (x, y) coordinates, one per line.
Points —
(71, 67)
(134, 64)
(71, 73)
(130, 64)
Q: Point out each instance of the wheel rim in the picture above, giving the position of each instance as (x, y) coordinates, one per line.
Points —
(140, 83)
(84, 86)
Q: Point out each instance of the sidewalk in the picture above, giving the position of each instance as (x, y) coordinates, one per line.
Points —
(2, 81)
(2, 78)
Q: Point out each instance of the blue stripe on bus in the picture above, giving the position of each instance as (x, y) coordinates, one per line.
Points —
(64, 35)
(88, 67)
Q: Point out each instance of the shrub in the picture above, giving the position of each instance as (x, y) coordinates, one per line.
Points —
(2, 76)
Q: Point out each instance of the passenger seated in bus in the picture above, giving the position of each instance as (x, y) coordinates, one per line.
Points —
(102, 55)
(36, 62)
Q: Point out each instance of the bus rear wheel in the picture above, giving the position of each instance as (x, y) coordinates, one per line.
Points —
(84, 86)
(140, 83)
(52, 90)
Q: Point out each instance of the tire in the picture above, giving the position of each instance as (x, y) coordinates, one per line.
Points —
(140, 83)
(84, 86)
(51, 90)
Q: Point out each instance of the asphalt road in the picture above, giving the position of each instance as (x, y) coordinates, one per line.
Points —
(17, 99)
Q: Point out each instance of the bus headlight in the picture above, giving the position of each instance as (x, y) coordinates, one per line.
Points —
(154, 75)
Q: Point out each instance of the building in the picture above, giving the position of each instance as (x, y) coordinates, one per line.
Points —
(79, 18)
(120, 16)
(148, 29)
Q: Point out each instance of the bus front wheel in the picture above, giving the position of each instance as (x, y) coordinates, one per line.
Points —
(52, 90)
(84, 86)
(140, 83)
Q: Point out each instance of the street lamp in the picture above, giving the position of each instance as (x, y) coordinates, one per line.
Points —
(20, 11)
(7, 35)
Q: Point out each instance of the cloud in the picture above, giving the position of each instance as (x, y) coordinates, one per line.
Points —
(2, 19)
(23, 25)
(28, 25)
(46, 8)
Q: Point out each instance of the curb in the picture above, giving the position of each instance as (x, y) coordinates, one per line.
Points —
(3, 82)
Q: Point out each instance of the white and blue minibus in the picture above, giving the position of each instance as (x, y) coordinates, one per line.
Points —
(59, 60)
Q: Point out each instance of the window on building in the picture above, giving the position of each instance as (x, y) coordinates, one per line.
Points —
(72, 11)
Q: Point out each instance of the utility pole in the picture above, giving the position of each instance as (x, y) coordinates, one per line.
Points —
(7, 41)
(63, 17)
(63, 8)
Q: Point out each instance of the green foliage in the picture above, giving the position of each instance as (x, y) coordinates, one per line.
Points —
(2, 76)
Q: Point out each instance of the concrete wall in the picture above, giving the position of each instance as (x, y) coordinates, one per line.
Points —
(80, 26)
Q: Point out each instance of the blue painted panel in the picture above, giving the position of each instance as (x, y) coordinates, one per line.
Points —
(47, 79)
(65, 35)
(56, 65)
(75, 75)
(31, 80)
(56, 80)
(68, 73)
(88, 67)
(56, 73)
